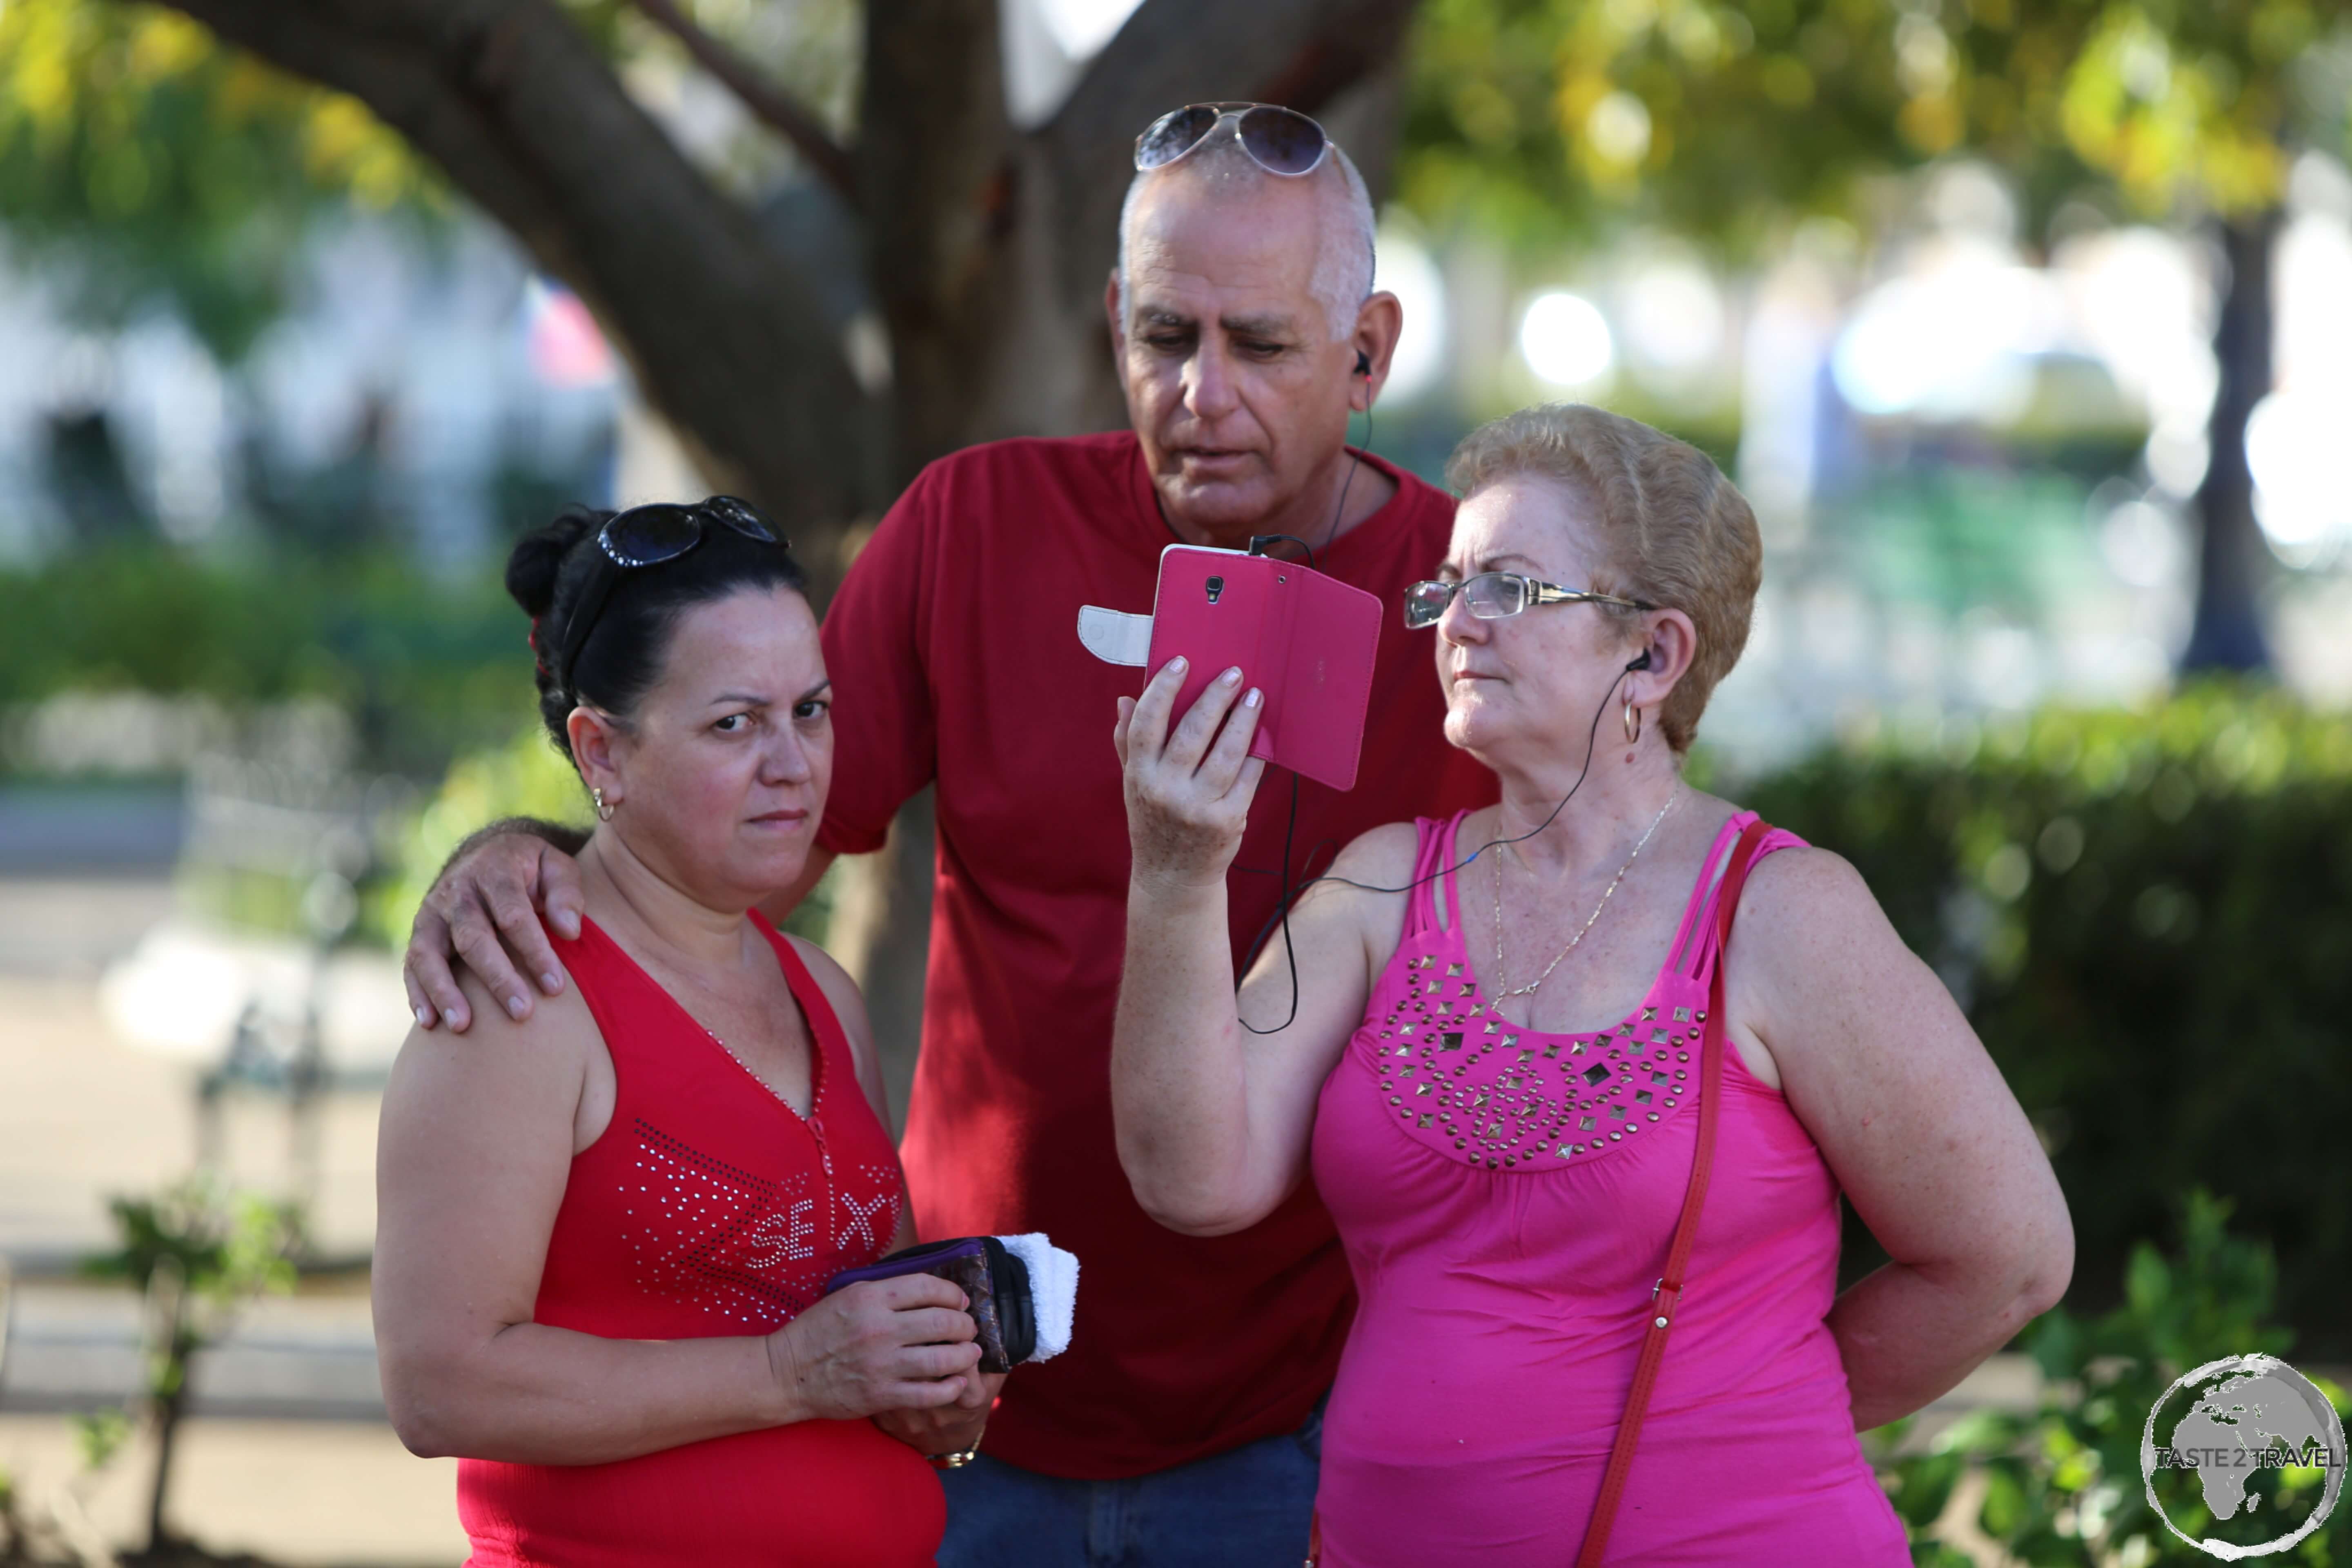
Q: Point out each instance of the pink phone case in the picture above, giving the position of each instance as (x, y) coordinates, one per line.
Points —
(1308, 640)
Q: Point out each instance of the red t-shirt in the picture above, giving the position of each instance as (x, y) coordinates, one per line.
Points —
(954, 652)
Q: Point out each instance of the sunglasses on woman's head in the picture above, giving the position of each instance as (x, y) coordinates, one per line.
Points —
(664, 530)
(1279, 141)
(1491, 595)
(648, 536)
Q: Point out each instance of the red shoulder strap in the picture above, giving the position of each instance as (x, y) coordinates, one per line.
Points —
(1668, 1294)
(825, 1025)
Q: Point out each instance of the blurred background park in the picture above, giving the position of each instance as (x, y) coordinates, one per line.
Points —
(2027, 325)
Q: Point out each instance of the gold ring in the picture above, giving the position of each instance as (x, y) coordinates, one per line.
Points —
(955, 1461)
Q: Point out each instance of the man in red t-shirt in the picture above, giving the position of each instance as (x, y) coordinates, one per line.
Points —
(1181, 1425)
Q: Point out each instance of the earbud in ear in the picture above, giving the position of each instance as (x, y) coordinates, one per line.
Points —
(1363, 363)
(1641, 663)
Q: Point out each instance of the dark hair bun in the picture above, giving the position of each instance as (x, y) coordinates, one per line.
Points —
(538, 557)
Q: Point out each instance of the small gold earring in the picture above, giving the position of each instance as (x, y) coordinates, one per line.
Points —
(1632, 720)
(603, 812)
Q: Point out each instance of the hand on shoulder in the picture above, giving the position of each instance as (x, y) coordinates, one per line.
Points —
(503, 1067)
(481, 920)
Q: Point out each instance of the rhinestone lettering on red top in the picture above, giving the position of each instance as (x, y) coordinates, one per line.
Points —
(738, 1245)
(1466, 1081)
(870, 1223)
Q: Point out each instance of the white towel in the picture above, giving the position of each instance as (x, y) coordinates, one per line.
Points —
(1053, 1288)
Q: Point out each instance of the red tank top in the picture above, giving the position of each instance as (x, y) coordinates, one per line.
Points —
(709, 1208)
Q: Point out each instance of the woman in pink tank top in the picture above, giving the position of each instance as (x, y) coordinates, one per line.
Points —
(604, 1230)
(1599, 1318)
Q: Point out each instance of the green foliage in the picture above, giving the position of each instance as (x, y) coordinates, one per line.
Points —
(2061, 1484)
(170, 166)
(98, 1436)
(525, 777)
(217, 1247)
(197, 1253)
(426, 666)
(1720, 119)
(2148, 915)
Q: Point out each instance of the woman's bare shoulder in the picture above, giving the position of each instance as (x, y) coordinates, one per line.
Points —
(848, 1006)
(1382, 859)
(823, 967)
(1804, 882)
(1810, 931)
(848, 1001)
(500, 1058)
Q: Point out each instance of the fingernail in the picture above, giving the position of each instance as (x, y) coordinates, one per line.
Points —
(517, 1005)
(424, 1018)
(1230, 675)
(1252, 699)
(1180, 664)
(551, 981)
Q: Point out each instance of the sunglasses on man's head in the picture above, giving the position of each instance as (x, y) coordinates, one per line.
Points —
(1279, 141)
(649, 535)
(1491, 595)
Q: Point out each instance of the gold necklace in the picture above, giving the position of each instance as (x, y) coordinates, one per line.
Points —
(1529, 988)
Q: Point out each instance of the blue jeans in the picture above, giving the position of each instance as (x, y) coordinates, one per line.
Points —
(1248, 1507)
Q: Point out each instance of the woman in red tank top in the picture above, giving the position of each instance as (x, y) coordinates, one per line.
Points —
(603, 1232)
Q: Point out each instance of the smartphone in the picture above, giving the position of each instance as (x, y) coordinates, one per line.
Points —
(1308, 641)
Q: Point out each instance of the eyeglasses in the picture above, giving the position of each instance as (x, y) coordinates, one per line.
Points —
(1492, 595)
(648, 536)
(1279, 141)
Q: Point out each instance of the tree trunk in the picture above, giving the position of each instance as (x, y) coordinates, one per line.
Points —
(171, 1350)
(2227, 634)
(169, 1412)
(881, 934)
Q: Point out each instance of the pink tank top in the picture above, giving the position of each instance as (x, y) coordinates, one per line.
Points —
(1505, 1197)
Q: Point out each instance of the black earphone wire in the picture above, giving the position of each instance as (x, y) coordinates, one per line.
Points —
(1258, 542)
(1290, 897)
(1354, 463)
(1290, 828)
(1290, 953)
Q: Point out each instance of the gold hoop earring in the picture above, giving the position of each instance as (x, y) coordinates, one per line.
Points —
(1632, 719)
(603, 812)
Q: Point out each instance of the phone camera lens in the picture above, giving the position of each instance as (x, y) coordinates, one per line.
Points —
(1216, 586)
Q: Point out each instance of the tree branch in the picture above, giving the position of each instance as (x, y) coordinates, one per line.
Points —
(1302, 53)
(766, 101)
(515, 106)
(934, 158)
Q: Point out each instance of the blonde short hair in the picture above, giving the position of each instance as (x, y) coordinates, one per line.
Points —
(1673, 530)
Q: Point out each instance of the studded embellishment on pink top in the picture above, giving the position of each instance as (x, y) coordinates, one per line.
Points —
(1463, 1079)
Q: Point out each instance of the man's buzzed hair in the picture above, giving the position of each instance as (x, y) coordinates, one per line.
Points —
(1343, 260)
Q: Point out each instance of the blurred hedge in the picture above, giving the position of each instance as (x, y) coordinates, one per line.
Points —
(524, 776)
(2148, 915)
(426, 666)
(2061, 1484)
